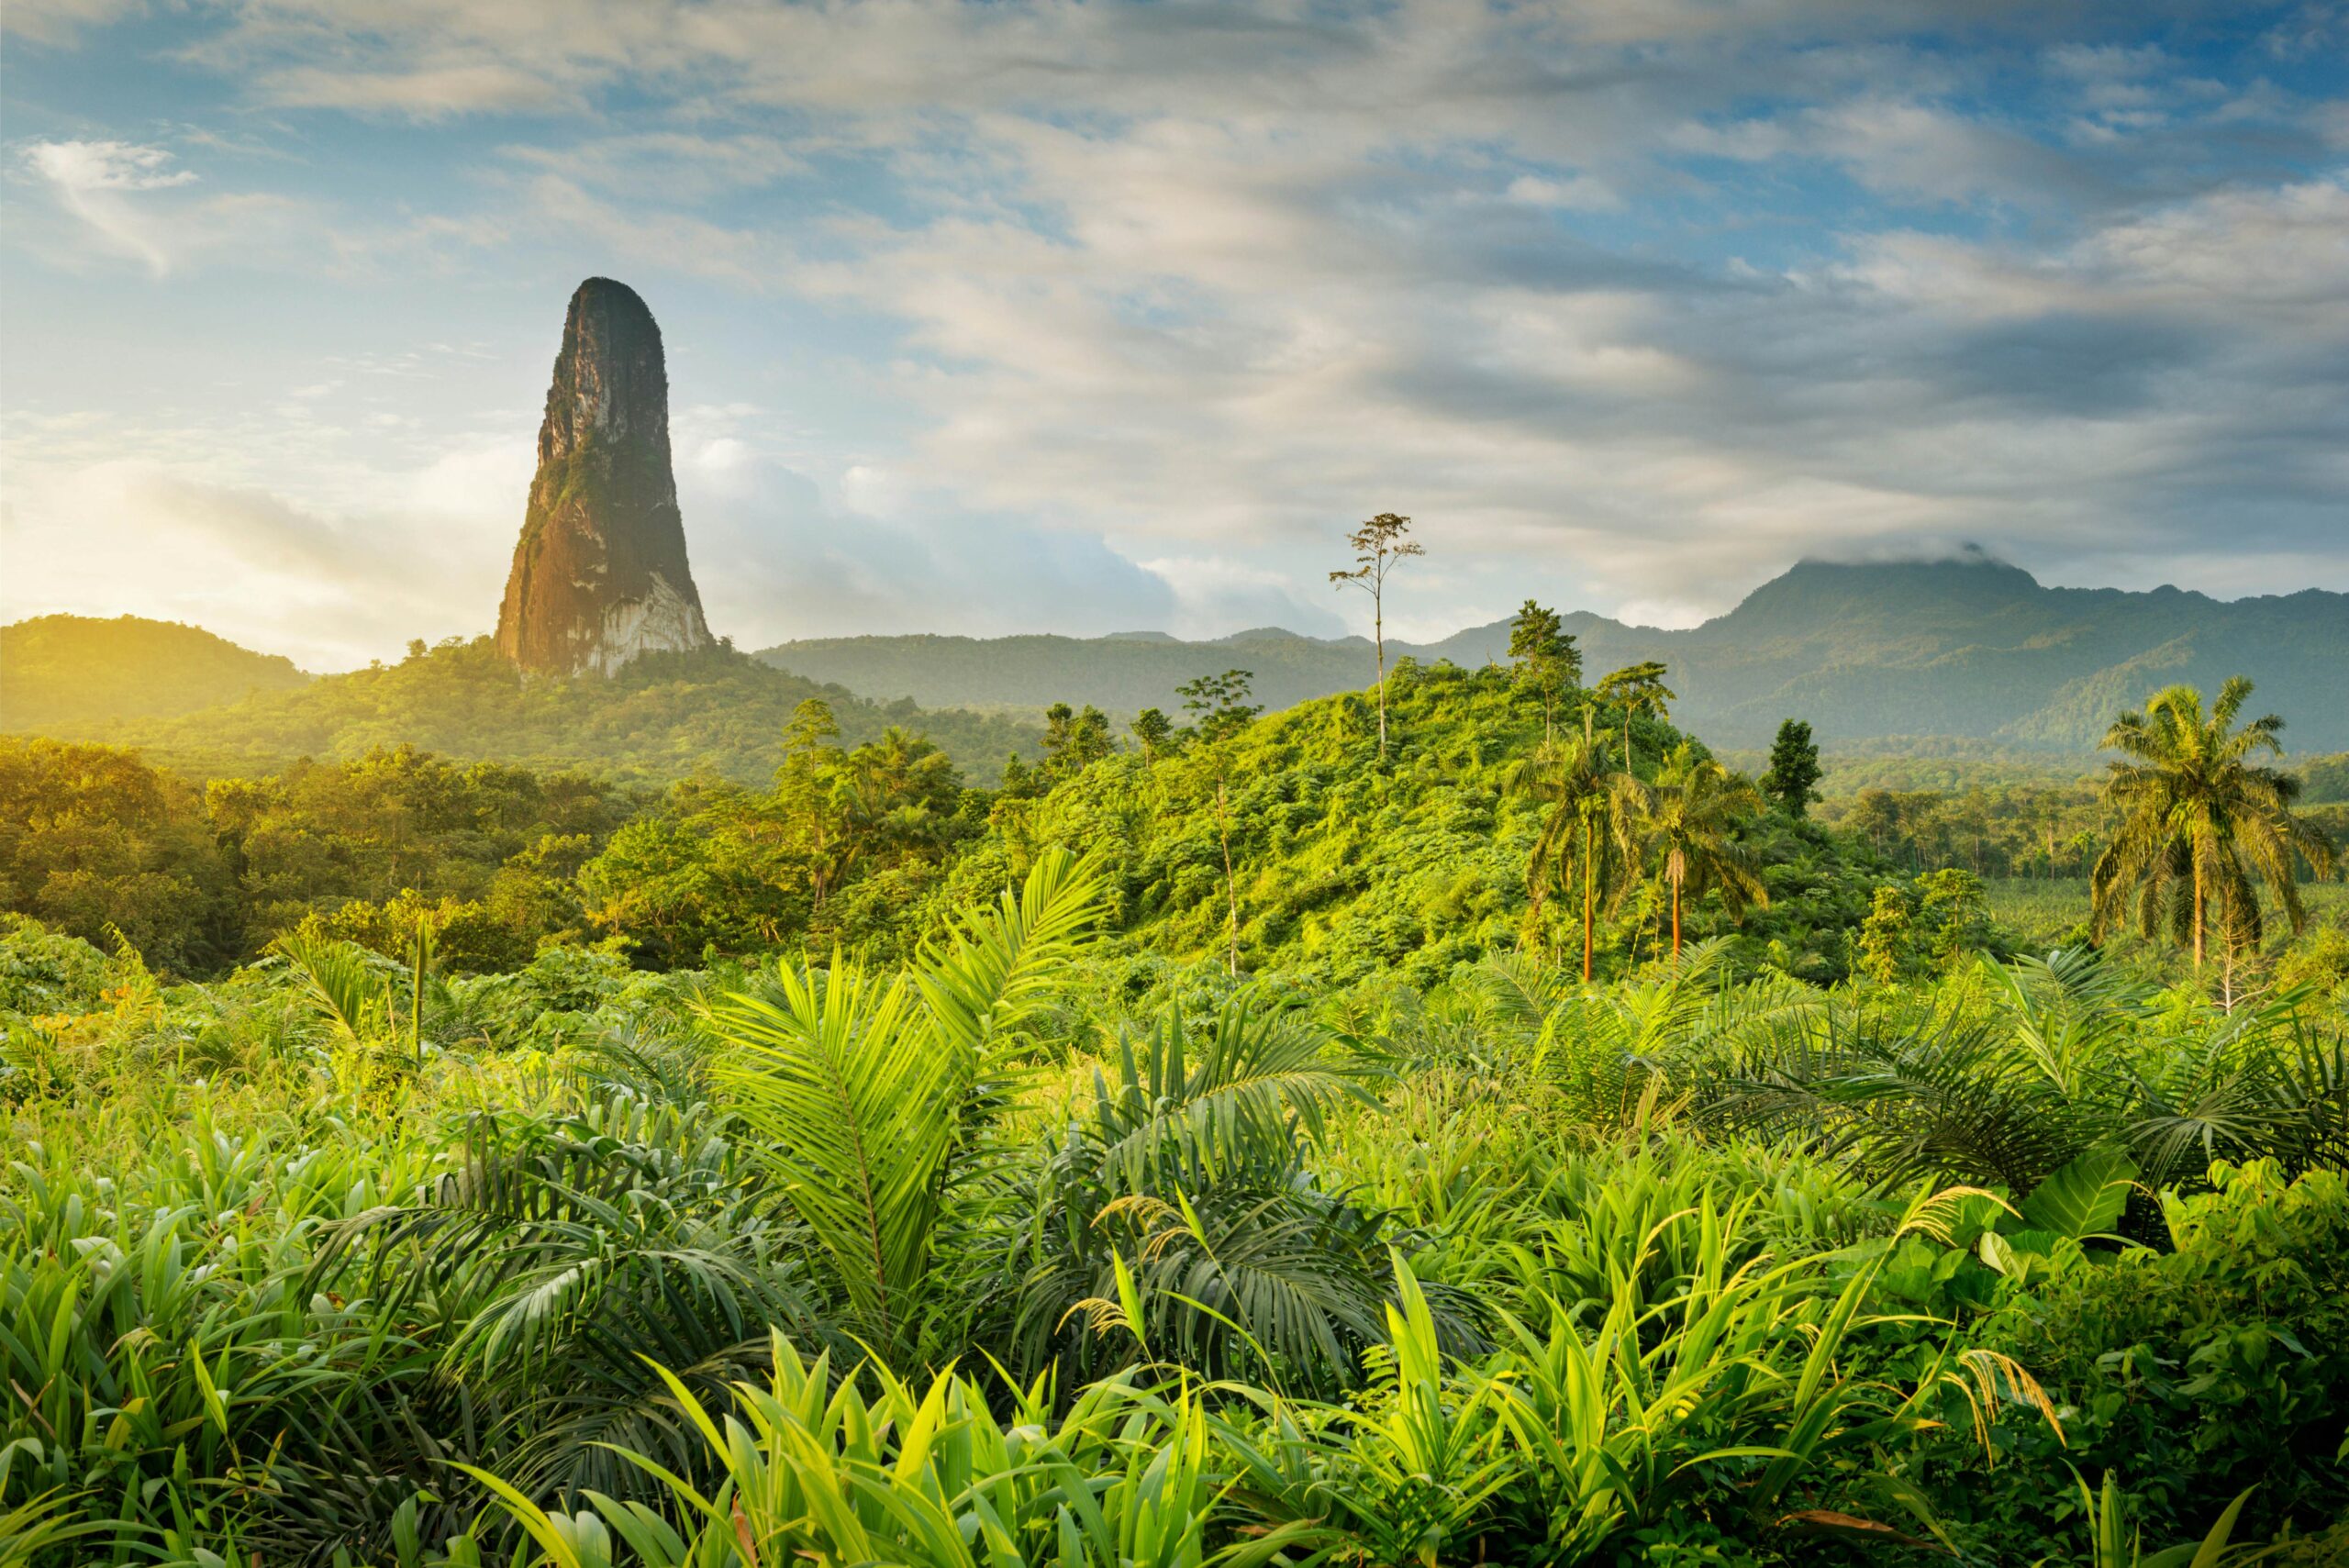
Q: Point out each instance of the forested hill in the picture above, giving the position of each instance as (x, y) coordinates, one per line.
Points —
(1967, 647)
(74, 673)
(663, 717)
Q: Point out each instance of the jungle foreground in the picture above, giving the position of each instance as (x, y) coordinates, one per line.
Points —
(1520, 1141)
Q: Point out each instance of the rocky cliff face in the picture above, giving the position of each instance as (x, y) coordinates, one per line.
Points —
(600, 574)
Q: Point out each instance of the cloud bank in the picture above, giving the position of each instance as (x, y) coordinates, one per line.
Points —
(1095, 316)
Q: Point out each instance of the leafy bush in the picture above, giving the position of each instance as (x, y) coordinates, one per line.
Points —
(2198, 1370)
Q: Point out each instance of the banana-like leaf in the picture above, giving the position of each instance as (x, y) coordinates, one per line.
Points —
(2084, 1198)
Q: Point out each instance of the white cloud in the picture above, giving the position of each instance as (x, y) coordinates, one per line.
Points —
(58, 21)
(1577, 193)
(426, 94)
(94, 179)
(1671, 615)
(1216, 595)
(129, 536)
(106, 166)
(1923, 152)
(138, 204)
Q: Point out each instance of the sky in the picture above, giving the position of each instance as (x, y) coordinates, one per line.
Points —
(1034, 315)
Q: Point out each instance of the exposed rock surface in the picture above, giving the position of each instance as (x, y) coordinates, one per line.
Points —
(600, 574)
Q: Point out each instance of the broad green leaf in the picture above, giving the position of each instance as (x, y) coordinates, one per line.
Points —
(2086, 1197)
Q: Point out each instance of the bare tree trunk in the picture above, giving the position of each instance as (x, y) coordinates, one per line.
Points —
(1231, 885)
(1378, 640)
(1589, 901)
(1676, 922)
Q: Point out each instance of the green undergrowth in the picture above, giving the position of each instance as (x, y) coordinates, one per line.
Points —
(1031, 1249)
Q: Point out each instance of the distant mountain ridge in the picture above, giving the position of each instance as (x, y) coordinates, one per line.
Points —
(1876, 657)
(1867, 652)
(64, 673)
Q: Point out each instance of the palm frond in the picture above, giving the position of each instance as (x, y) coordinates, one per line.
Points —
(348, 988)
(840, 1083)
(995, 968)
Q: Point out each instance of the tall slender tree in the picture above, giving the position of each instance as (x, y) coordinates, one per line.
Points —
(1221, 708)
(1544, 656)
(804, 786)
(1074, 741)
(1636, 688)
(1588, 836)
(1380, 546)
(2201, 824)
(1688, 820)
(1793, 779)
(1154, 733)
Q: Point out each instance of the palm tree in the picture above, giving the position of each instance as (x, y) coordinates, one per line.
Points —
(1586, 836)
(2200, 823)
(1223, 709)
(863, 1091)
(1636, 688)
(1688, 817)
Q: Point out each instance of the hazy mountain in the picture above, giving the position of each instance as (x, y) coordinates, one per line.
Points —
(661, 716)
(1123, 673)
(72, 675)
(1867, 652)
(1968, 649)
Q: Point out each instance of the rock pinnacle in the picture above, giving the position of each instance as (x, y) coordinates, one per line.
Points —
(599, 574)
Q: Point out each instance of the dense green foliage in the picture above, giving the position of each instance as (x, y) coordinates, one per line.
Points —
(74, 676)
(196, 878)
(1023, 1253)
(497, 861)
(662, 718)
(1536, 1147)
(1344, 869)
(1339, 868)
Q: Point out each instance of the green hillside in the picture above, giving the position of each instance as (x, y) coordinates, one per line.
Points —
(1344, 868)
(1347, 870)
(1967, 648)
(665, 717)
(73, 675)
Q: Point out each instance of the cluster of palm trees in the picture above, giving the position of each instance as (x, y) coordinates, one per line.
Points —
(2203, 824)
(1607, 829)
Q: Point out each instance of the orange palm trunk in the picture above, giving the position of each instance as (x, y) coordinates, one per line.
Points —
(1589, 901)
